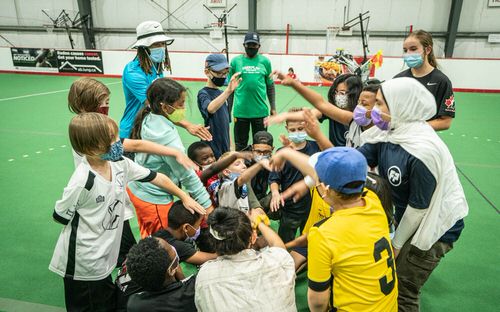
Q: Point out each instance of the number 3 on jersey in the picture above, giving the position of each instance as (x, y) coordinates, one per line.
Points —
(381, 245)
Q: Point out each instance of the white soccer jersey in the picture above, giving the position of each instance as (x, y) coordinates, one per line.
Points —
(129, 207)
(92, 209)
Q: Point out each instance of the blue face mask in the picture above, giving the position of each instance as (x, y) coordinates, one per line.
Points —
(297, 137)
(413, 60)
(157, 55)
(233, 176)
(115, 152)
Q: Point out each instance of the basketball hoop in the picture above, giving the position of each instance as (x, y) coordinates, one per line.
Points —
(216, 31)
(331, 34)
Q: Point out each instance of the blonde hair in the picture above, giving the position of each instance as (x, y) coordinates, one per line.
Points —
(92, 133)
(86, 95)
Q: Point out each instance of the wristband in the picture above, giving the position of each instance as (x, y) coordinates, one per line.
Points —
(309, 181)
(259, 219)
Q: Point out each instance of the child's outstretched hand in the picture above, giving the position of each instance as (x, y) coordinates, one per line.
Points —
(276, 201)
(278, 161)
(244, 155)
(183, 160)
(311, 125)
(295, 191)
(234, 82)
(265, 164)
(285, 80)
(191, 205)
(274, 119)
(284, 140)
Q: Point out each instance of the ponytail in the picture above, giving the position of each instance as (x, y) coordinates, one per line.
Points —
(136, 130)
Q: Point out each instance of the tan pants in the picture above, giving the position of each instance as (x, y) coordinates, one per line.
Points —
(414, 266)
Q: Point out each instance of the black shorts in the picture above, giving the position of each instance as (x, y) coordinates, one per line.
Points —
(90, 295)
(301, 251)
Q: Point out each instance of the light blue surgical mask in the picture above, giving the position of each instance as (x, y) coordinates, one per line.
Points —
(233, 176)
(157, 55)
(297, 137)
(115, 152)
(413, 60)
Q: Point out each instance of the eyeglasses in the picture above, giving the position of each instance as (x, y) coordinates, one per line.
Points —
(262, 152)
(175, 263)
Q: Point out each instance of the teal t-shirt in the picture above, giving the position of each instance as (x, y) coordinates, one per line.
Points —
(250, 98)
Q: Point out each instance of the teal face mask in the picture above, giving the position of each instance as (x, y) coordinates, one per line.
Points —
(413, 60)
(297, 137)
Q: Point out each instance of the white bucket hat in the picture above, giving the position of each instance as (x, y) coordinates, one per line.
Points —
(150, 32)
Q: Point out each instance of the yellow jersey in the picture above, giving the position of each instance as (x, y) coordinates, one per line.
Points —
(319, 210)
(352, 251)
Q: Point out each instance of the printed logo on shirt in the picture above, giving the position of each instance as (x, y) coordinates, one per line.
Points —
(394, 175)
(432, 83)
(450, 104)
(119, 179)
(250, 69)
(99, 199)
(112, 218)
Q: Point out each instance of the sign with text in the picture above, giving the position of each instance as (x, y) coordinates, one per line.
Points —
(34, 59)
(85, 62)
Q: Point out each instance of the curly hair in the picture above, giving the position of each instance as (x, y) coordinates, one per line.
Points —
(234, 227)
(193, 149)
(147, 263)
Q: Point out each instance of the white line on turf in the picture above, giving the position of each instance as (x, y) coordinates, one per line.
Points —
(45, 93)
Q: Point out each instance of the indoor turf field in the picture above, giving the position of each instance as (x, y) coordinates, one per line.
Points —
(36, 163)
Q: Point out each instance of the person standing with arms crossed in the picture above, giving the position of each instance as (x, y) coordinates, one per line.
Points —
(255, 89)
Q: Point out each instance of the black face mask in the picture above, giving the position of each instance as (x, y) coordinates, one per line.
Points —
(218, 81)
(251, 52)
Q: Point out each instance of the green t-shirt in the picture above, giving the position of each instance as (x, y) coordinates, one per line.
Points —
(250, 98)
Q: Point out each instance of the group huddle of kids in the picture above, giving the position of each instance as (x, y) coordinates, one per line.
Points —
(221, 218)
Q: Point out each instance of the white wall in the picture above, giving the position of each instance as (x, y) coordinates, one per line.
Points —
(386, 15)
(462, 72)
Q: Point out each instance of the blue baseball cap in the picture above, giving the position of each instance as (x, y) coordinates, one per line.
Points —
(339, 166)
(216, 62)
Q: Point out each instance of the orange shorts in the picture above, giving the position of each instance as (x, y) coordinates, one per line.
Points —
(151, 217)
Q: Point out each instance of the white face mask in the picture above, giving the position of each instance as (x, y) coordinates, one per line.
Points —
(341, 100)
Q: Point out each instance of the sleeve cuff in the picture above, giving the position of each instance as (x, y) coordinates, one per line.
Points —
(319, 286)
(59, 219)
(150, 177)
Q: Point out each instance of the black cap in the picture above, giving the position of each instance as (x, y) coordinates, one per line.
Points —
(252, 37)
(263, 137)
